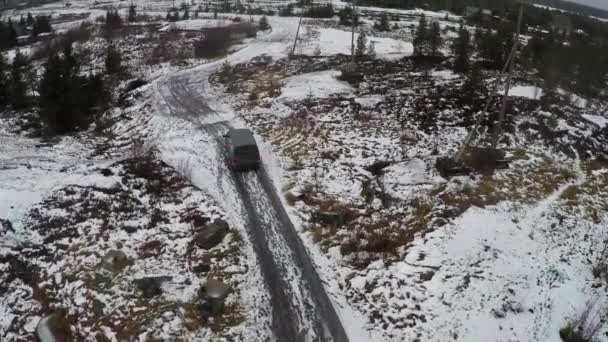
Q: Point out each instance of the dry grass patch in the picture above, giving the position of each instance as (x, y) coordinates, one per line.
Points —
(524, 184)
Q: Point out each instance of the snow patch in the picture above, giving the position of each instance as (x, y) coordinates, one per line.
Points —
(320, 84)
(596, 119)
(529, 92)
(333, 42)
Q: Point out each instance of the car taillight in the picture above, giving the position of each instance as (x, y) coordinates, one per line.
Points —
(259, 157)
(235, 159)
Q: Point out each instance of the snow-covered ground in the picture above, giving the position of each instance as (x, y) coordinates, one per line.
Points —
(503, 257)
(315, 85)
(332, 41)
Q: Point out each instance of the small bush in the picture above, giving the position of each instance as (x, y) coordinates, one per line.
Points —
(215, 43)
(586, 327)
(263, 24)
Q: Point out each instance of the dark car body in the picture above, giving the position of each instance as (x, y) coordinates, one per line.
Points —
(242, 150)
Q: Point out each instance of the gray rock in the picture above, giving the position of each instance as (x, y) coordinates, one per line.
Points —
(98, 307)
(54, 327)
(212, 235)
(114, 261)
(215, 294)
(329, 217)
(151, 286)
(6, 226)
(102, 281)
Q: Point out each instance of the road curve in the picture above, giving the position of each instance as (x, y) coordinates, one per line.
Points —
(301, 309)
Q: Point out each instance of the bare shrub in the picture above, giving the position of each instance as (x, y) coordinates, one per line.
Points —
(215, 43)
(587, 326)
(600, 266)
(184, 168)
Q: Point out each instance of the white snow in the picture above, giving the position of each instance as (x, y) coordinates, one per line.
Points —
(599, 120)
(575, 99)
(332, 41)
(196, 24)
(369, 101)
(445, 74)
(530, 92)
(320, 84)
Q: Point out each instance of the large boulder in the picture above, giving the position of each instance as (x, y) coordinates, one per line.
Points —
(151, 286)
(6, 226)
(215, 294)
(114, 261)
(54, 327)
(212, 235)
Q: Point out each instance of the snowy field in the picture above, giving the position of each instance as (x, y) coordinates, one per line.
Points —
(408, 255)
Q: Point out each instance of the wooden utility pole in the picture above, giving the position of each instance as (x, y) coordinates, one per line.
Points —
(507, 68)
(352, 46)
(293, 49)
(503, 109)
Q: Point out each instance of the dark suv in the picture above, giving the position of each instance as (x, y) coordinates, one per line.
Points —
(243, 153)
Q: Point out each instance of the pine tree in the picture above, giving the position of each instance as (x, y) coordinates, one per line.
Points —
(12, 34)
(263, 24)
(30, 19)
(69, 101)
(41, 24)
(132, 14)
(473, 86)
(371, 51)
(421, 37)
(113, 60)
(462, 49)
(361, 45)
(3, 84)
(383, 25)
(435, 40)
(186, 15)
(22, 21)
(18, 90)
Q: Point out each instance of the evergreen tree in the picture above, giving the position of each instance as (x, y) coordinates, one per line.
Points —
(361, 47)
(113, 60)
(113, 19)
(346, 16)
(421, 37)
(371, 51)
(11, 34)
(41, 24)
(30, 19)
(4, 91)
(473, 86)
(186, 15)
(462, 49)
(435, 40)
(263, 24)
(22, 21)
(68, 101)
(132, 14)
(18, 87)
(383, 25)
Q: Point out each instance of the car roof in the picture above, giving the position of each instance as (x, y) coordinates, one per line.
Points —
(241, 137)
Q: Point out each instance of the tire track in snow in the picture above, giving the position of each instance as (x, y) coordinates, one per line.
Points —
(301, 309)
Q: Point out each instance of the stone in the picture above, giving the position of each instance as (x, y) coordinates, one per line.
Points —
(6, 226)
(328, 217)
(215, 293)
(54, 327)
(212, 235)
(102, 281)
(114, 261)
(98, 307)
(151, 286)
(201, 268)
